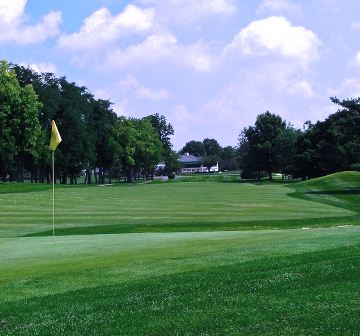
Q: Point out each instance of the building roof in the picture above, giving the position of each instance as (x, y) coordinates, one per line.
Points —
(188, 158)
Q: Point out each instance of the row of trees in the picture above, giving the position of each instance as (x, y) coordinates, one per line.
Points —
(95, 139)
(318, 149)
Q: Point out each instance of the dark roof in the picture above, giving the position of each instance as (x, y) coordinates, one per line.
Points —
(189, 159)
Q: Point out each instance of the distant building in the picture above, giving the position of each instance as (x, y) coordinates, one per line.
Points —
(190, 163)
(193, 164)
(214, 169)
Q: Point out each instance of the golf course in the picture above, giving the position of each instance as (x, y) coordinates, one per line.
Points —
(200, 255)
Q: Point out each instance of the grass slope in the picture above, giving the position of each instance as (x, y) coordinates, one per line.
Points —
(339, 189)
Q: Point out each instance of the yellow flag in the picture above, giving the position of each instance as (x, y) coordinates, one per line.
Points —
(55, 136)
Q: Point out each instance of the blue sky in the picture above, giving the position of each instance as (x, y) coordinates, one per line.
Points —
(209, 66)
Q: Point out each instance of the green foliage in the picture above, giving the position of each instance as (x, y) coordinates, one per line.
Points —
(164, 131)
(195, 148)
(94, 138)
(355, 166)
(263, 145)
(21, 135)
(332, 145)
(172, 163)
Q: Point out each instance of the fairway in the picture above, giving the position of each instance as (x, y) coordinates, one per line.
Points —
(190, 206)
(183, 258)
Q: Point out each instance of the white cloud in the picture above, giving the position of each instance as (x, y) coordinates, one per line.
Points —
(11, 10)
(41, 67)
(162, 47)
(121, 107)
(356, 25)
(14, 28)
(102, 28)
(349, 88)
(186, 124)
(131, 84)
(276, 35)
(301, 88)
(356, 60)
(279, 87)
(278, 6)
(186, 12)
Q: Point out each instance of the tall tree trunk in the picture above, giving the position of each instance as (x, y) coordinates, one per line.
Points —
(64, 178)
(48, 176)
(95, 176)
(129, 174)
(88, 176)
(20, 170)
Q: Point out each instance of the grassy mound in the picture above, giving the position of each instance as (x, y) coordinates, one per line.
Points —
(339, 189)
(337, 181)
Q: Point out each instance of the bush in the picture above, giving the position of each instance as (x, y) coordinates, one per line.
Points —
(171, 176)
(355, 167)
(252, 175)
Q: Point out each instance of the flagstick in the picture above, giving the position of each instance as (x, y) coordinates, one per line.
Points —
(53, 182)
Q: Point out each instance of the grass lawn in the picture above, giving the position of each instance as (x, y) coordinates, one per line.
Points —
(195, 258)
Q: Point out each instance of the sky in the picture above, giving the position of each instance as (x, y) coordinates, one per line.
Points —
(209, 66)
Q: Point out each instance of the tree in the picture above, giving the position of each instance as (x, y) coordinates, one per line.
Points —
(30, 137)
(20, 135)
(47, 88)
(228, 158)
(172, 163)
(103, 123)
(163, 129)
(212, 147)
(262, 143)
(148, 149)
(195, 148)
(140, 147)
(10, 98)
(331, 145)
(76, 148)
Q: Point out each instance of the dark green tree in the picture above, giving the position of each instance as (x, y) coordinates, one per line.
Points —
(228, 158)
(263, 143)
(193, 147)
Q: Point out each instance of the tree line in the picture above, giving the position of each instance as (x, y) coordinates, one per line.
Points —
(273, 145)
(99, 144)
(96, 141)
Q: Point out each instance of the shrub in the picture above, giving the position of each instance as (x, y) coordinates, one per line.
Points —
(355, 167)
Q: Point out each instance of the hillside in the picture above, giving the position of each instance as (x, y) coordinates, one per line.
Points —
(339, 189)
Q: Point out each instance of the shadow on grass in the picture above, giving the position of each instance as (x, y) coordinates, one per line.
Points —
(350, 191)
(202, 227)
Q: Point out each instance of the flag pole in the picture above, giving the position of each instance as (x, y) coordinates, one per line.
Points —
(53, 183)
(54, 142)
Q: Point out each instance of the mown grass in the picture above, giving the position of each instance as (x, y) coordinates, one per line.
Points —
(301, 285)
(341, 190)
(249, 281)
(166, 207)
